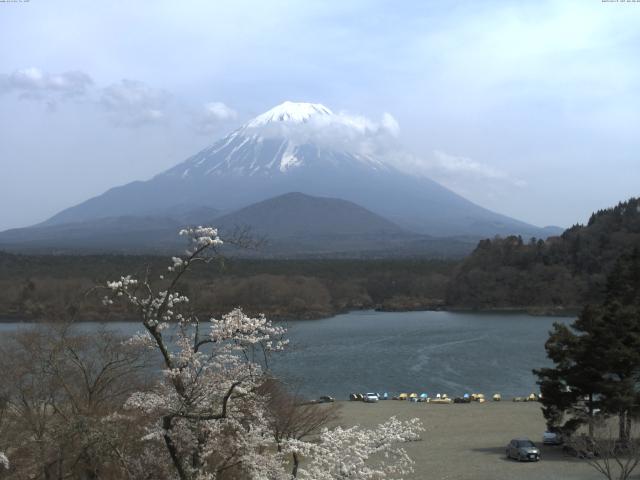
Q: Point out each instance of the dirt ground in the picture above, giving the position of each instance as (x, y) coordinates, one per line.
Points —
(467, 441)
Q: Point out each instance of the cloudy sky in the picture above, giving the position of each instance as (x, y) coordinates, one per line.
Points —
(531, 109)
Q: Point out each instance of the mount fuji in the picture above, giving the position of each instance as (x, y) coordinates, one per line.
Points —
(294, 147)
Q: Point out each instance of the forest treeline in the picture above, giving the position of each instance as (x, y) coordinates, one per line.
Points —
(552, 275)
(56, 287)
(564, 272)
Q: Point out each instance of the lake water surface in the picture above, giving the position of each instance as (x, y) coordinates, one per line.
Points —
(428, 352)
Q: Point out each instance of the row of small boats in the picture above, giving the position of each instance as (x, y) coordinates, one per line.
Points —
(439, 398)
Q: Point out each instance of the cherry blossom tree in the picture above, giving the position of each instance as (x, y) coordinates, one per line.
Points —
(207, 411)
(348, 453)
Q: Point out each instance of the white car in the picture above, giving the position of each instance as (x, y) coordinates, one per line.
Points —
(370, 397)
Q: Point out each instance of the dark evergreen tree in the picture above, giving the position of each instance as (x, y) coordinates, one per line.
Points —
(571, 390)
(618, 338)
(597, 359)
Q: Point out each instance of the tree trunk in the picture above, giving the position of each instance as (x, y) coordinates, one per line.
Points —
(623, 432)
(296, 464)
(591, 416)
(173, 450)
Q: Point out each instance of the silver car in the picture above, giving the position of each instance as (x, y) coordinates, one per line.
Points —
(371, 397)
(523, 449)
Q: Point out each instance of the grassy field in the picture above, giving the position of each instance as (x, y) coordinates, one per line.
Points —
(467, 441)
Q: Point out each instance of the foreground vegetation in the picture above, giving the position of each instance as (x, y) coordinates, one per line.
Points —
(188, 399)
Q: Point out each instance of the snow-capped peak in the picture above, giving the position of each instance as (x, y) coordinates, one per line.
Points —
(292, 136)
(290, 112)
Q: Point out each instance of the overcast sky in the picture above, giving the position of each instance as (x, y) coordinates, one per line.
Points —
(531, 109)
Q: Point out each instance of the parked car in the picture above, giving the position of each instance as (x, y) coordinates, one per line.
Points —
(326, 399)
(370, 397)
(552, 438)
(523, 449)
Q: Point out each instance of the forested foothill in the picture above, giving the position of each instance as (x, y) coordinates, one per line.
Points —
(564, 272)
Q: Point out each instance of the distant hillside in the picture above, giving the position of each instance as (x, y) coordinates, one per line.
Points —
(299, 215)
(112, 234)
(568, 270)
(292, 225)
(296, 225)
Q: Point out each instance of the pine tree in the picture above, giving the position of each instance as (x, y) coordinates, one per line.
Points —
(597, 358)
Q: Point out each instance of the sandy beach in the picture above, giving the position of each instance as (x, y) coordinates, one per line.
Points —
(467, 441)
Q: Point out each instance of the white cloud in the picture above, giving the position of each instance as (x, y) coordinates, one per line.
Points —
(219, 111)
(365, 136)
(459, 173)
(457, 165)
(212, 116)
(34, 84)
(342, 130)
(362, 125)
(390, 124)
(128, 103)
(133, 103)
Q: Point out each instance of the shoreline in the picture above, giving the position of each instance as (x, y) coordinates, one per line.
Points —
(532, 311)
(563, 312)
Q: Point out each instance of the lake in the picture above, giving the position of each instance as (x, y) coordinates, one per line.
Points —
(432, 352)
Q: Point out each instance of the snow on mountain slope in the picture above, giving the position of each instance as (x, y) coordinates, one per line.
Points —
(288, 136)
(293, 112)
(302, 147)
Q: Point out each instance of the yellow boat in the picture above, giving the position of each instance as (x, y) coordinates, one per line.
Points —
(443, 400)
